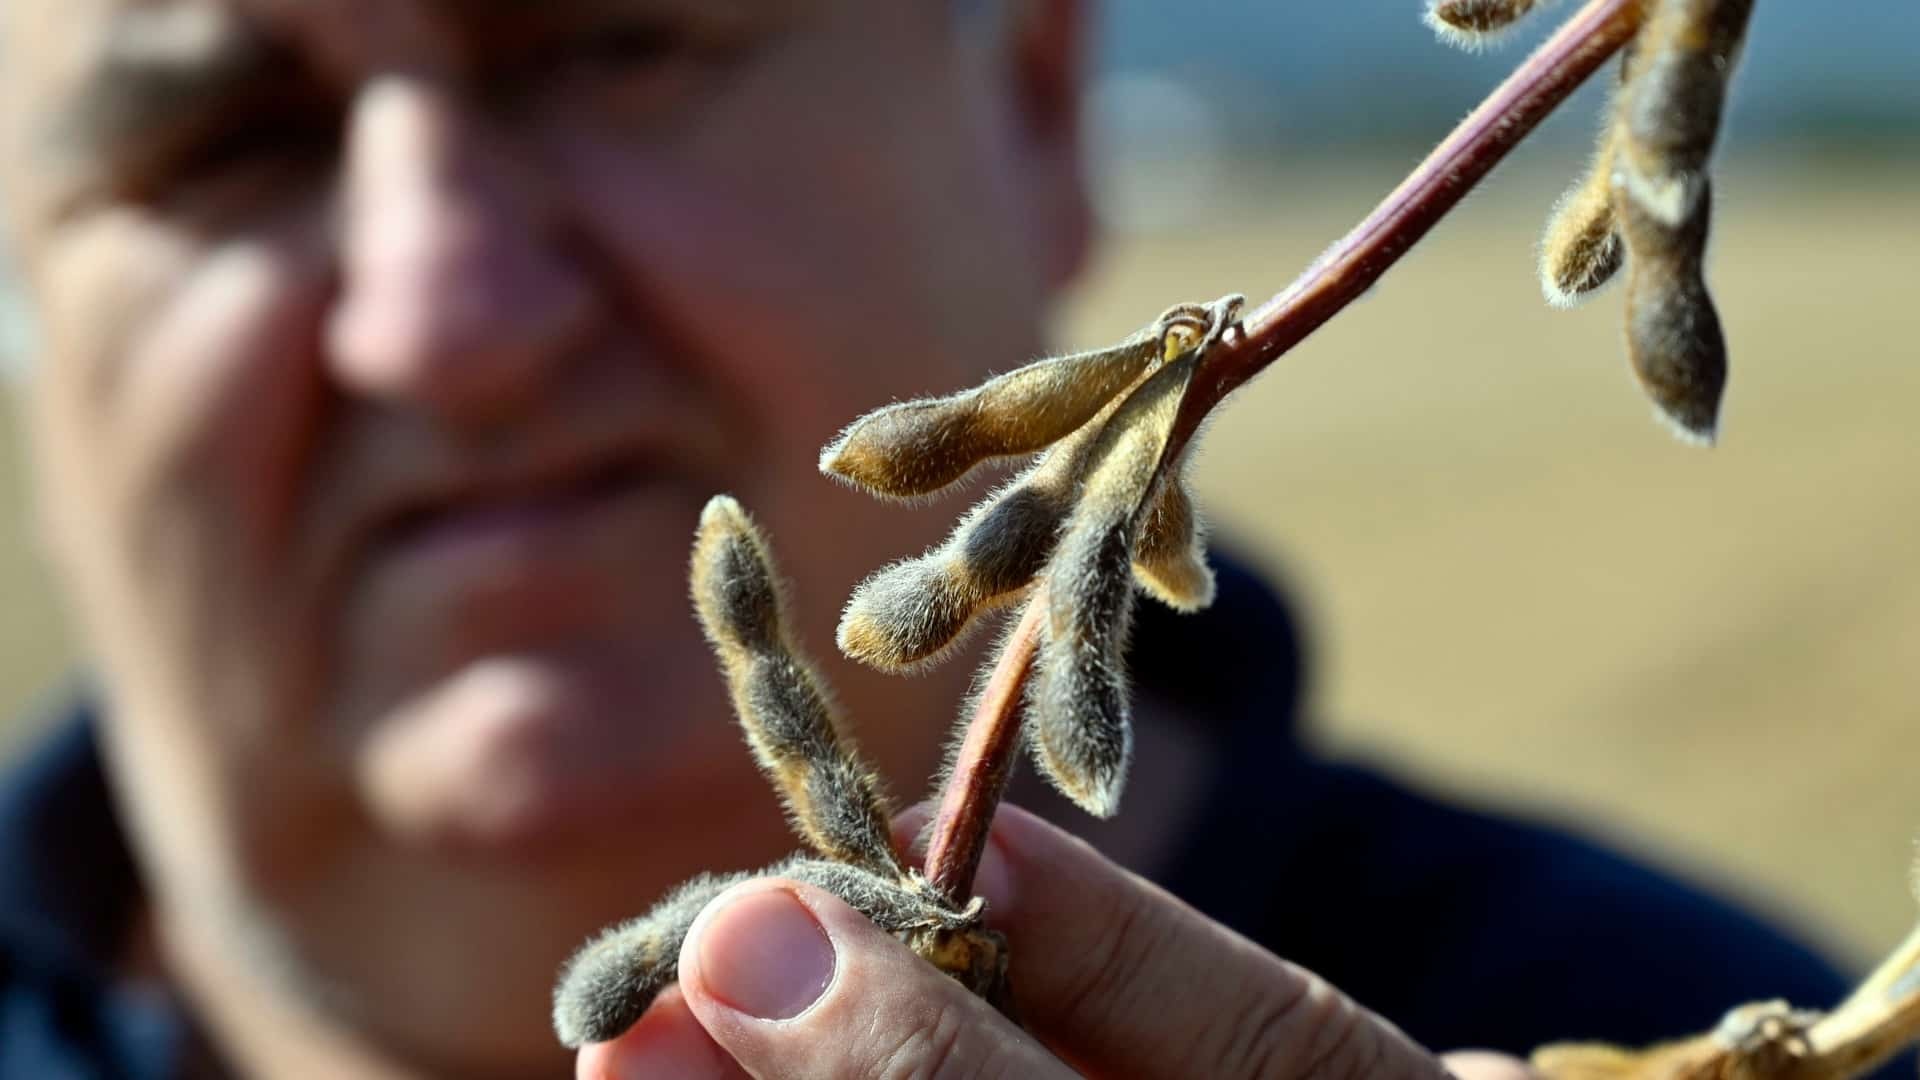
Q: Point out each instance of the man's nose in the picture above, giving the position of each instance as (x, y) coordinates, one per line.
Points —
(458, 293)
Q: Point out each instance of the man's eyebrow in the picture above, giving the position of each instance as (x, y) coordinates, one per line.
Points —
(158, 69)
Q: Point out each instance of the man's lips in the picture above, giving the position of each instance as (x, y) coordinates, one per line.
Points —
(520, 520)
(518, 566)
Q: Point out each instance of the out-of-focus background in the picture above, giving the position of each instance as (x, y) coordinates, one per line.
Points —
(1519, 588)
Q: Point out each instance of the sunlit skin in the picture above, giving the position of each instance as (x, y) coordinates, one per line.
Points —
(388, 352)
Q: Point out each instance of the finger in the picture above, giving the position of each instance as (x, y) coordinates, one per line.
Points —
(668, 1041)
(1485, 1065)
(794, 983)
(1121, 978)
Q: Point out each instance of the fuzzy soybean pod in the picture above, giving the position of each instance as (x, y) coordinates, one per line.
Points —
(1473, 23)
(1170, 558)
(1685, 56)
(606, 985)
(1080, 731)
(609, 983)
(919, 447)
(914, 611)
(1582, 249)
(834, 800)
(1674, 339)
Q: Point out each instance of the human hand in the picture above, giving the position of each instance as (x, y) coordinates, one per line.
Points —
(1113, 976)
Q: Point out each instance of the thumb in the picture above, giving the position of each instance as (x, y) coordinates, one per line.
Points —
(794, 983)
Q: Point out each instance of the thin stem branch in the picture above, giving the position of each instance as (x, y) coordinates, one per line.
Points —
(984, 762)
(1877, 1021)
(1508, 115)
(1333, 281)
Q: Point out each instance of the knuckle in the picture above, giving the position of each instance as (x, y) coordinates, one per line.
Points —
(1314, 1032)
(1334, 1037)
(1110, 972)
(1333, 1030)
(938, 1046)
(1253, 1036)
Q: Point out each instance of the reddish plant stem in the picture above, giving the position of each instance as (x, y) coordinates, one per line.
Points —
(1555, 70)
(984, 762)
(1336, 279)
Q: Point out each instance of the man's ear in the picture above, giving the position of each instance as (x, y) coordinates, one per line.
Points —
(1046, 47)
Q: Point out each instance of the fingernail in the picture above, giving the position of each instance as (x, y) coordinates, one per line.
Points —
(764, 954)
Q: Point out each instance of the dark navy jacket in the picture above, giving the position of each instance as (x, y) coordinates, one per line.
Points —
(1466, 929)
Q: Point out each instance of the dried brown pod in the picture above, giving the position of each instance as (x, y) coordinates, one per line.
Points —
(1684, 56)
(831, 796)
(1080, 728)
(919, 447)
(1674, 340)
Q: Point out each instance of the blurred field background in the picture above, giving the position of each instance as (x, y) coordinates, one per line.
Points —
(1522, 590)
(1518, 587)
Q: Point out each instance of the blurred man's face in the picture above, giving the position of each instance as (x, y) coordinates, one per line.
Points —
(390, 348)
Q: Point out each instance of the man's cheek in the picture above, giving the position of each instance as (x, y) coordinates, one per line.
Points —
(727, 275)
(231, 378)
(176, 396)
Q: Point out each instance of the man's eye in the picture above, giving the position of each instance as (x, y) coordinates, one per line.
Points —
(240, 146)
(254, 142)
(660, 59)
(623, 48)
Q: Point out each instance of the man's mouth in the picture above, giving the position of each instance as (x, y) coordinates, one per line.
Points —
(544, 556)
(523, 517)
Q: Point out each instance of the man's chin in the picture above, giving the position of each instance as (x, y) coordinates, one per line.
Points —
(530, 757)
